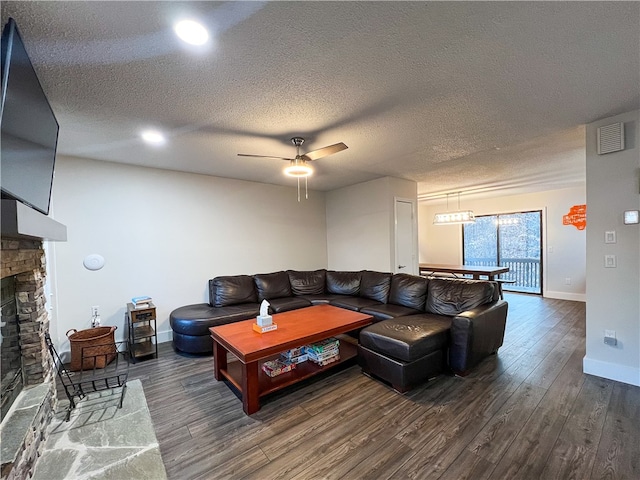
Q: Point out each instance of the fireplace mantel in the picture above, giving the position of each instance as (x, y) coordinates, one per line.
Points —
(22, 222)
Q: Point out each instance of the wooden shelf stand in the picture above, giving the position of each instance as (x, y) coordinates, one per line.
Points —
(143, 340)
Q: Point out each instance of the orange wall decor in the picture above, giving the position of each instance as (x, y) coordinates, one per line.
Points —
(577, 217)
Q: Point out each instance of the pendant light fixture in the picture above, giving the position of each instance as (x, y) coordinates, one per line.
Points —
(452, 218)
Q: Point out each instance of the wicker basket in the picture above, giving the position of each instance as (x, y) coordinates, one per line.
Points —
(97, 345)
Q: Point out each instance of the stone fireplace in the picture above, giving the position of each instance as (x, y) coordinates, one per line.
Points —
(26, 414)
(11, 362)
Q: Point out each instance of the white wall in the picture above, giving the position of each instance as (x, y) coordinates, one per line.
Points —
(404, 190)
(360, 224)
(443, 243)
(165, 234)
(613, 294)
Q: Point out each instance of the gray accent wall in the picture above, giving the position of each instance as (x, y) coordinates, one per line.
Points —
(613, 294)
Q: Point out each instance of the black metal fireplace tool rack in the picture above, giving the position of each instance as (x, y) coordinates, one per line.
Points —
(91, 378)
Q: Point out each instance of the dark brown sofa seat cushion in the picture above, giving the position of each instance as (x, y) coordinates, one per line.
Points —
(388, 310)
(307, 282)
(353, 303)
(284, 304)
(451, 297)
(272, 285)
(375, 285)
(232, 290)
(408, 290)
(322, 299)
(343, 283)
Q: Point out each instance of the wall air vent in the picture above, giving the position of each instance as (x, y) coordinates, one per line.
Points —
(610, 138)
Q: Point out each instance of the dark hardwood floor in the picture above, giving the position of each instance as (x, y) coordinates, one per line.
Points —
(528, 413)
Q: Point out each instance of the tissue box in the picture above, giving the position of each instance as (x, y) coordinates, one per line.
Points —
(264, 321)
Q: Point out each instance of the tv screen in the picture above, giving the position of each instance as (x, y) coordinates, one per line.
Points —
(29, 127)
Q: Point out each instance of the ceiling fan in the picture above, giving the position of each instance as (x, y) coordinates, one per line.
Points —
(298, 166)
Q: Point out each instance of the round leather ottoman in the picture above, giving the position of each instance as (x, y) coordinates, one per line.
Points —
(190, 325)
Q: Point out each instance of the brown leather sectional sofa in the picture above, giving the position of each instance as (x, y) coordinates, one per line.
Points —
(421, 326)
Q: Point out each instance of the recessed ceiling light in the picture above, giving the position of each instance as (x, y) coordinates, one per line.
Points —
(153, 137)
(191, 32)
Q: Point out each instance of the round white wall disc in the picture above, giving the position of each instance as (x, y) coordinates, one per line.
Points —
(93, 262)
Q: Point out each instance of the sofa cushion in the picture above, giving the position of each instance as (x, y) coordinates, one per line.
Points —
(284, 304)
(322, 299)
(451, 297)
(232, 290)
(375, 285)
(196, 319)
(407, 338)
(388, 310)
(408, 290)
(353, 303)
(343, 283)
(272, 285)
(308, 282)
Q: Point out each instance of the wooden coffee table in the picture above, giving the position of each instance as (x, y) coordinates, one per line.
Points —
(295, 328)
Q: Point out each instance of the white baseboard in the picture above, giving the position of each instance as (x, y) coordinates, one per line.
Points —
(576, 297)
(165, 336)
(612, 371)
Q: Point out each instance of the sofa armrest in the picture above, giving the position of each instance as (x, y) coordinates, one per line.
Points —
(475, 334)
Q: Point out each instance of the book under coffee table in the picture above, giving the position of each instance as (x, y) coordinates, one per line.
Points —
(295, 328)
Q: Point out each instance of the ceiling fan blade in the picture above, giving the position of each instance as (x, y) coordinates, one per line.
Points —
(323, 152)
(264, 156)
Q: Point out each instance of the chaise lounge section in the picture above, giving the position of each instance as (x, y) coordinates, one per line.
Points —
(463, 322)
(421, 327)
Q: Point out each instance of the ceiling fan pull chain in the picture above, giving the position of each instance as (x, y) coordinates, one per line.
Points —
(298, 189)
(306, 190)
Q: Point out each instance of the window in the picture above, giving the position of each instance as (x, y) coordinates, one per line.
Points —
(511, 240)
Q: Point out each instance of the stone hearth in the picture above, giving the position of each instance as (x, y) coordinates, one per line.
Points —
(102, 441)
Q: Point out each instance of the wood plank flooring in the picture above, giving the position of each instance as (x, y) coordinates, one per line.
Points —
(527, 413)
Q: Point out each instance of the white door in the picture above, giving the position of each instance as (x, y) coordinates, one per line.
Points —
(405, 238)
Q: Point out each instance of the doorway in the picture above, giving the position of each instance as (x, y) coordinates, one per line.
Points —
(406, 243)
(511, 240)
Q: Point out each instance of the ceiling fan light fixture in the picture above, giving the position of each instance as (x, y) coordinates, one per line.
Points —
(298, 168)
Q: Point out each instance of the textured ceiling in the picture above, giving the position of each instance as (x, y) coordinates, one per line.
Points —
(458, 96)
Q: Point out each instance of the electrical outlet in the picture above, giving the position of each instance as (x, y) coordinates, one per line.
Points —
(567, 281)
(610, 337)
(95, 311)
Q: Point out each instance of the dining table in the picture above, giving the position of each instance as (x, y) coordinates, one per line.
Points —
(476, 271)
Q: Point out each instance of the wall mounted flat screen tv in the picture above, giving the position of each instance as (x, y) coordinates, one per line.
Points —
(29, 127)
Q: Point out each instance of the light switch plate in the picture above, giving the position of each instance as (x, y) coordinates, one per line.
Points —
(631, 217)
(610, 261)
(610, 237)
